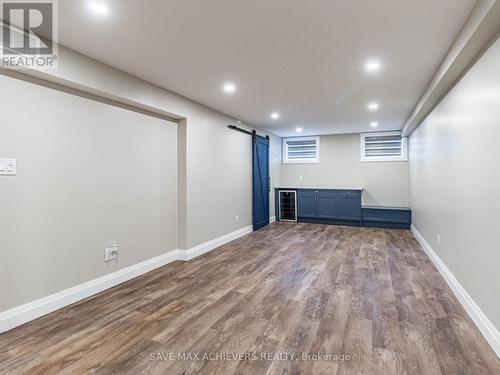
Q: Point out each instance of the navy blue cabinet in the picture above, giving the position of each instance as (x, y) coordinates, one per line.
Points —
(349, 206)
(386, 217)
(338, 206)
(329, 206)
(307, 204)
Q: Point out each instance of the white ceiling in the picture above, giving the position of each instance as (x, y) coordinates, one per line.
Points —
(303, 59)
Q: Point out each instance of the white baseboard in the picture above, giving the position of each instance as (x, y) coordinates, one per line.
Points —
(22, 314)
(213, 244)
(482, 322)
(272, 219)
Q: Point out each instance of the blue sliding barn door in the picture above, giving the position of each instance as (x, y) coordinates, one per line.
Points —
(260, 182)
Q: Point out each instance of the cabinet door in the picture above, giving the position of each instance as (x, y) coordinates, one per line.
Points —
(327, 205)
(349, 206)
(307, 204)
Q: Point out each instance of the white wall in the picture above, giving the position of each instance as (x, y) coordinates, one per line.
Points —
(455, 180)
(219, 177)
(385, 183)
(218, 160)
(214, 164)
(89, 174)
(275, 169)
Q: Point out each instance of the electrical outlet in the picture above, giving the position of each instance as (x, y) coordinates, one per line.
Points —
(111, 253)
(8, 167)
(237, 219)
(438, 239)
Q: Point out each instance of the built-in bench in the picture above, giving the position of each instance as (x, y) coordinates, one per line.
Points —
(386, 217)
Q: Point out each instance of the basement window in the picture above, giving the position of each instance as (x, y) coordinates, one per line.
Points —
(386, 146)
(300, 150)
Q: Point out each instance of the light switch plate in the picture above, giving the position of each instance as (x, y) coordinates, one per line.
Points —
(8, 167)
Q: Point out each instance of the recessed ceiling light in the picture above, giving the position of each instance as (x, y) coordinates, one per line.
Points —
(372, 66)
(98, 8)
(373, 106)
(229, 88)
(374, 124)
(275, 115)
(299, 129)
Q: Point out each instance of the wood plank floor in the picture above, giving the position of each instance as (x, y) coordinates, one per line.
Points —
(368, 299)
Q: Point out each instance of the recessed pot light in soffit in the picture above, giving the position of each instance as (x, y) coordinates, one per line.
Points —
(98, 8)
(229, 88)
(372, 66)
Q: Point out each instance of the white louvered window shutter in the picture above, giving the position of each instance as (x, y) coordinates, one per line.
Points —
(300, 150)
(386, 146)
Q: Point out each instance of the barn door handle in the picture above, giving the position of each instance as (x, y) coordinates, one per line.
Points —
(269, 184)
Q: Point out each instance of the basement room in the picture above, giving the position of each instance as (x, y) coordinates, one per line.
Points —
(249, 187)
